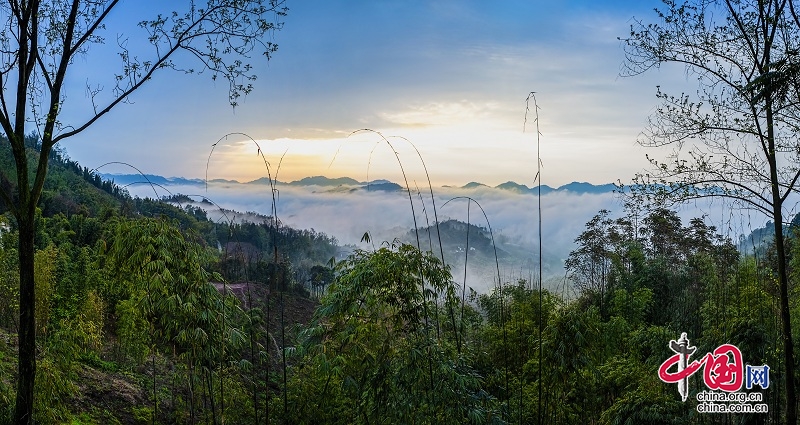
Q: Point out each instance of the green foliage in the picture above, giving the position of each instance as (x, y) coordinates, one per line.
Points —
(647, 403)
(72, 338)
(7, 370)
(133, 331)
(372, 354)
(143, 414)
(54, 385)
(742, 120)
(639, 287)
(166, 301)
(44, 278)
(9, 279)
(632, 307)
(511, 334)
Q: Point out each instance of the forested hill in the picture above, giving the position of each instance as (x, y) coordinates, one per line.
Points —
(481, 253)
(120, 280)
(69, 187)
(74, 190)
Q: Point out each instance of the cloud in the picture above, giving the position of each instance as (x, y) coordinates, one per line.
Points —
(347, 214)
(385, 215)
(439, 113)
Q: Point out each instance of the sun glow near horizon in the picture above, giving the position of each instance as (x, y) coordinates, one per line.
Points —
(453, 154)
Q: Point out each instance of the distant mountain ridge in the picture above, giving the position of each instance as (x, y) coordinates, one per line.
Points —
(325, 181)
(574, 187)
(347, 184)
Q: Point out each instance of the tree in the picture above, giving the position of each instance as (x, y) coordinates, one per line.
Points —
(160, 273)
(38, 46)
(371, 355)
(589, 266)
(738, 134)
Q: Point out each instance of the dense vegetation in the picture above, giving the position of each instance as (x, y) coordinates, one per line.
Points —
(131, 327)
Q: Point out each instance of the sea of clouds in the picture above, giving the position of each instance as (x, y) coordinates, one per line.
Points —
(347, 213)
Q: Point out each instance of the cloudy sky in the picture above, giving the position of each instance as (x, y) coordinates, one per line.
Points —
(451, 76)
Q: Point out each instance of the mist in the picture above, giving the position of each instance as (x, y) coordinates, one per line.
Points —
(347, 213)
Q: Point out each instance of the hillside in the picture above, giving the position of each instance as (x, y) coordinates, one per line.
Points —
(69, 188)
(105, 340)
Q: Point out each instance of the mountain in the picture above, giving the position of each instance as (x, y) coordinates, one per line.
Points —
(318, 181)
(378, 181)
(69, 188)
(325, 181)
(386, 187)
(347, 184)
(522, 189)
(473, 185)
(574, 187)
(762, 239)
(453, 236)
(128, 179)
(337, 185)
(262, 180)
(479, 252)
(583, 187)
(514, 187)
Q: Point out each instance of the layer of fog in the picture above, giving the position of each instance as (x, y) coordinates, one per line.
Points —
(348, 214)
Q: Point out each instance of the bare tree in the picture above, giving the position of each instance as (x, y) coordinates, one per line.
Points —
(39, 43)
(737, 137)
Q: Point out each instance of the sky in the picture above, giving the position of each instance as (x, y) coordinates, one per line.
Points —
(447, 77)
(450, 77)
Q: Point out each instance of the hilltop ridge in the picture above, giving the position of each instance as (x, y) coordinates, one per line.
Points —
(345, 183)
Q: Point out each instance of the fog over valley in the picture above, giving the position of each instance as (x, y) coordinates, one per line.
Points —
(347, 209)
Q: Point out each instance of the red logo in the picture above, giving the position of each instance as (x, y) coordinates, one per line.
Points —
(723, 369)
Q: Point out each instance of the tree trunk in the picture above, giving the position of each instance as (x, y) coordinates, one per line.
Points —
(786, 326)
(23, 411)
(783, 279)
